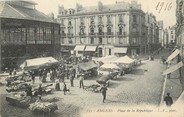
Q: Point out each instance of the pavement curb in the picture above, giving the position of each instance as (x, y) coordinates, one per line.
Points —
(163, 91)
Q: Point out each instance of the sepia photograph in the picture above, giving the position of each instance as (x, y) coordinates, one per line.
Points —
(91, 58)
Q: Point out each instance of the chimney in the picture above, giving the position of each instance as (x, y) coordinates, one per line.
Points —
(100, 5)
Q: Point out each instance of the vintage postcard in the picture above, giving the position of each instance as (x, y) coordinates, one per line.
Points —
(91, 58)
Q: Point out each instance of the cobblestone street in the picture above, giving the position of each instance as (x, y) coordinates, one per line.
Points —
(142, 87)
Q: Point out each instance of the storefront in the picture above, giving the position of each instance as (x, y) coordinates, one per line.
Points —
(91, 51)
(79, 50)
(120, 51)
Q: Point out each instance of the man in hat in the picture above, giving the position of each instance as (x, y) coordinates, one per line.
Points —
(168, 100)
(81, 79)
(104, 90)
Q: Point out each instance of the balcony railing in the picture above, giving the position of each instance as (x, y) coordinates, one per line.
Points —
(101, 34)
(109, 34)
(63, 35)
(70, 35)
(121, 23)
(121, 34)
(92, 34)
(82, 35)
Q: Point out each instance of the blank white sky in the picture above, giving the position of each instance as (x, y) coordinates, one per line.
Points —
(168, 16)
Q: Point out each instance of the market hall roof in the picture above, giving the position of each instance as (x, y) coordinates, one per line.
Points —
(8, 10)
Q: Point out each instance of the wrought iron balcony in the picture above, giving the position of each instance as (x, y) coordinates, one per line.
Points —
(100, 34)
(121, 24)
(109, 34)
(70, 35)
(100, 24)
(82, 35)
(121, 34)
(63, 35)
(92, 34)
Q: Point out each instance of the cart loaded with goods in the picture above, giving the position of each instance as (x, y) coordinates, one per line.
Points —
(94, 88)
(17, 83)
(19, 99)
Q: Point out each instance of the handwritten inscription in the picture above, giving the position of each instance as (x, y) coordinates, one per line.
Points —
(163, 6)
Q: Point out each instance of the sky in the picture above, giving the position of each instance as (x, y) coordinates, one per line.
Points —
(162, 9)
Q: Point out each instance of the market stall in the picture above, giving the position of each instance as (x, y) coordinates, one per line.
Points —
(88, 68)
(43, 107)
(108, 59)
(37, 63)
(126, 63)
(17, 82)
(108, 68)
(19, 99)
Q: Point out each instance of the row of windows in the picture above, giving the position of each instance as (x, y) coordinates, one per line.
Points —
(92, 41)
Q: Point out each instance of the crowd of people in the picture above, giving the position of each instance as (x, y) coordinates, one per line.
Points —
(57, 74)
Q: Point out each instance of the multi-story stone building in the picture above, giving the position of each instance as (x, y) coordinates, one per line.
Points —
(152, 33)
(180, 35)
(172, 36)
(161, 32)
(166, 38)
(25, 32)
(103, 29)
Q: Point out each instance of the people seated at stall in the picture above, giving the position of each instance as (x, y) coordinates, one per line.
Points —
(57, 86)
(29, 90)
(44, 76)
(14, 72)
(40, 90)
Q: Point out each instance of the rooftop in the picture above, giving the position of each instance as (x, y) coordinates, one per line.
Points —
(118, 6)
(8, 10)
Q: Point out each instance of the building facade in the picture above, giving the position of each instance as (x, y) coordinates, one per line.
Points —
(153, 41)
(103, 30)
(166, 38)
(25, 33)
(172, 36)
(161, 32)
(180, 35)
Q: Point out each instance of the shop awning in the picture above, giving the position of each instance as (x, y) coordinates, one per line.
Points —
(120, 50)
(173, 55)
(173, 68)
(90, 48)
(79, 47)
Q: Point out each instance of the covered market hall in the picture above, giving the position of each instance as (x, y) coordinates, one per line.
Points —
(25, 33)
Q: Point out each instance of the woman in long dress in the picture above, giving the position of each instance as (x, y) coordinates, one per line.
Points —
(57, 86)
